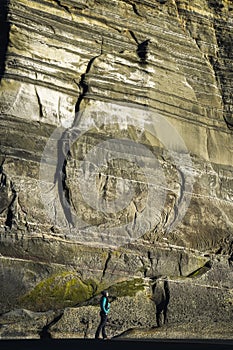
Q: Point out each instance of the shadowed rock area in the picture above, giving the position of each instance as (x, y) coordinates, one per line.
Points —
(116, 168)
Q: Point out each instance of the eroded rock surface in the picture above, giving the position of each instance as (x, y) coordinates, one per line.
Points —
(116, 164)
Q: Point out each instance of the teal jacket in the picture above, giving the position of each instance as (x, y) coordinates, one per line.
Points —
(104, 305)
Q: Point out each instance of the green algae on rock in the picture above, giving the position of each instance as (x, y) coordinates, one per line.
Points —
(58, 291)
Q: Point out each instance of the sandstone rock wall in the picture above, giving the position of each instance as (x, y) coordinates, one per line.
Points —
(116, 154)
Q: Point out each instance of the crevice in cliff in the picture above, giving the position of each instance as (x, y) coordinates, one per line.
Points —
(135, 10)
(3, 177)
(39, 104)
(150, 259)
(10, 215)
(83, 85)
(64, 147)
(230, 260)
(201, 270)
(179, 16)
(180, 264)
(134, 37)
(59, 3)
(61, 176)
(177, 200)
(105, 188)
(150, 265)
(45, 332)
(172, 211)
(4, 34)
(7, 186)
(106, 266)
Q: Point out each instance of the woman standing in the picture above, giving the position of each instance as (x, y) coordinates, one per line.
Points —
(104, 310)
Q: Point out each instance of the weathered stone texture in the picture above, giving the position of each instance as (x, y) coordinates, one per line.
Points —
(145, 87)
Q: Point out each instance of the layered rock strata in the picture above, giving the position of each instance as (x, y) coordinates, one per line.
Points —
(116, 164)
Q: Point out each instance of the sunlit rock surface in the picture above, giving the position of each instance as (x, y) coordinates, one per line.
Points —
(116, 167)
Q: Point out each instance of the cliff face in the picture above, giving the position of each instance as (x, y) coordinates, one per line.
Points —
(116, 164)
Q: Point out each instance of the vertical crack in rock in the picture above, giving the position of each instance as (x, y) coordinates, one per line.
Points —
(180, 264)
(106, 266)
(83, 85)
(135, 10)
(177, 202)
(64, 147)
(208, 144)
(39, 104)
(45, 332)
(230, 253)
(172, 211)
(3, 189)
(179, 16)
(150, 266)
(230, 259)
(145, 266)
(4, 34)
(11, 212)
(104, 189)
(134, 36)
(150, 259)
(8, 197)
(63, 189)
(134, 220)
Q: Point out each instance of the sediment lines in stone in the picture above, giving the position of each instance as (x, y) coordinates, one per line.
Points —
(28, 139)
(218, 29)
(162, 38)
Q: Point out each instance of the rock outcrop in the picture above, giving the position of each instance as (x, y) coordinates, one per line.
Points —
(116, 166)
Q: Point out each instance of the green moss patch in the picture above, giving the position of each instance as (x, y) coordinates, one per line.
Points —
(66, 289)
(58, 291)
(126, 288)
(201, 271)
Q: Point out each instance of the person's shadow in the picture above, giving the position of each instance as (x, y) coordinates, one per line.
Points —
(161, 298)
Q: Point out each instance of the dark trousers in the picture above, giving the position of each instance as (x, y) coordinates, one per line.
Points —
(103, 320)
